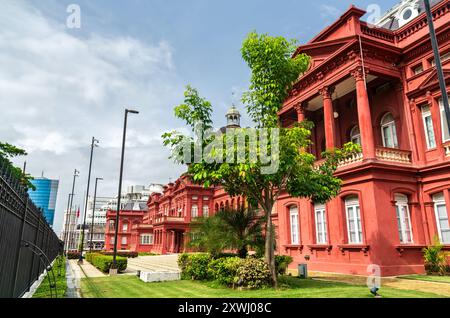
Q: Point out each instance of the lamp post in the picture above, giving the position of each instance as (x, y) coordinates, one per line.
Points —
(76, 174)
(93, 145)
(113, 269)
(437, 59)
(93, 212)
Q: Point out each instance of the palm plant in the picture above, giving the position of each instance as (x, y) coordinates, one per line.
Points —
(233, 229)
(435, 258)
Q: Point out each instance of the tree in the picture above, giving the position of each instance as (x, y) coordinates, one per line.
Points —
(234, 229)
(283, 163)
(7, 152)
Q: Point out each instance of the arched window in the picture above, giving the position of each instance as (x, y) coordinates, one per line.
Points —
(194, 211)
(355, 135)
(294, 223)
(125, 227)
(388, 131)
(321, 223)
(353, 216)
(442, 218)
(205, 211)
(403, 219)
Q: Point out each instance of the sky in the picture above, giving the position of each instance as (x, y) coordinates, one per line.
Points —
(60, 86)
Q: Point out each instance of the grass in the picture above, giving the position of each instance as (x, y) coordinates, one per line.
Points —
(428, 278)
(124, 286)
(59, 269)
(148, 254)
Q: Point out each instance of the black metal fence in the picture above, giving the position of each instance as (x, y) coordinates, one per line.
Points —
(27, 243)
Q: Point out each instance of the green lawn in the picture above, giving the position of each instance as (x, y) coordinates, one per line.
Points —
(59, 268)
(439, 279)
(131, 287)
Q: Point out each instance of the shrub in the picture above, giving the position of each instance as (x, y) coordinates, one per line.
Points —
(282, 263)
(435, 258)
(121, 254)
(224, 270)
(225, 255)
(73, 255)
(253, 273)
(194, 266)
(147, 254)
(104, 262)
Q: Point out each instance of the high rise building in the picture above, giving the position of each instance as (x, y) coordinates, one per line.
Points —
(44, 196)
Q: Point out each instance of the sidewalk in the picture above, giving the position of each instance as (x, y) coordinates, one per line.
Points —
(85, 270)
(392, 282)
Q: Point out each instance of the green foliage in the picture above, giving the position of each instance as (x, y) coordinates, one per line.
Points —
(7, 152)
(194, 266)
(282, 263)
(274, 70)
(126, 254)
(254, 273)
(59, 269)
(147, 254)
(435, 258)
(104, 262)
(229, 229)
(224, 270)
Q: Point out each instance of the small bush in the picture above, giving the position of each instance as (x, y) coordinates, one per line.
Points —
(121, 254)
(282, 263)
(73, 255)
(104, 262)
(224, 270)
(225, 255)
(253, 273)
(435, 258)
(194, 266)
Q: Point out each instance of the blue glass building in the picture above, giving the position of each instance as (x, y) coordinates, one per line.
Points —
(44, 196)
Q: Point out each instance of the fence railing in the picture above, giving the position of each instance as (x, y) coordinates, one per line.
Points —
(27, 243)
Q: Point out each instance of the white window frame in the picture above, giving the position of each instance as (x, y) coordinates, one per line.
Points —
(124, 227)
(439, 200)
(426, 113)
(194, 211)
(294, 225)
(147, 239)
(124, 239)
(403, 221)
(390, 125)
(443, 121)
(355, 137)
(205, 211)
(353, 213)
(320, 214)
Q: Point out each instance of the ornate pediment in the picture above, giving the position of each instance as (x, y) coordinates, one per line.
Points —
(432, 80)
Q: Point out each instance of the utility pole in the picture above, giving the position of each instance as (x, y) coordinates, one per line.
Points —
(438, 62)
(93, 144)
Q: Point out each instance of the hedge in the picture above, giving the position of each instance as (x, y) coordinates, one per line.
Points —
(104, 262)
(73, 255)
(126, 254)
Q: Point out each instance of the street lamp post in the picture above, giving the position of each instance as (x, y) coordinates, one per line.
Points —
(437, 59)
(76, 174)
(113, 269)
(93, 212)
(93, 145)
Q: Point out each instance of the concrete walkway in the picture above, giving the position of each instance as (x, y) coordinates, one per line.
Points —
(393, 282)
(152, 264)
(85, 270)
(73, 279)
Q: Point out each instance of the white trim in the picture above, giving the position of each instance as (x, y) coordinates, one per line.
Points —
(321, 210)
(295, 230)
(355, 136)
(401, 206)
(444, 127)
(352, 206)
(426, 112)
(439, 200)
(392, 129)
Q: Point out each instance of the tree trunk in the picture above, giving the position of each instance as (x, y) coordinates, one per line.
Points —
(269, 250)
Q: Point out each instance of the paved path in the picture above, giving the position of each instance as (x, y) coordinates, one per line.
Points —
(73, 279)
(393, 282)
(152, 263)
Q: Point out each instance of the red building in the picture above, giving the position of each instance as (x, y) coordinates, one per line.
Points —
(376, 86)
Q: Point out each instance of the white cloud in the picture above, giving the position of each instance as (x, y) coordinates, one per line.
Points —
(328, 11)
(58, 90)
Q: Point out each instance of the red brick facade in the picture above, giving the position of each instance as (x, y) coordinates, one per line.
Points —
(396, 194)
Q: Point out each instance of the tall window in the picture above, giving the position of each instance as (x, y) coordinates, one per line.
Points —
(146, 239)
(124, 240)
(205, 211)
(111, 225)
(293, 214)
(388, 131)
(355, 135)
(194, 211)
(125, 227)
(353, 215)
(442, 218)
(321, 223)
(403, 219)
(429, 128)
(445, 129)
